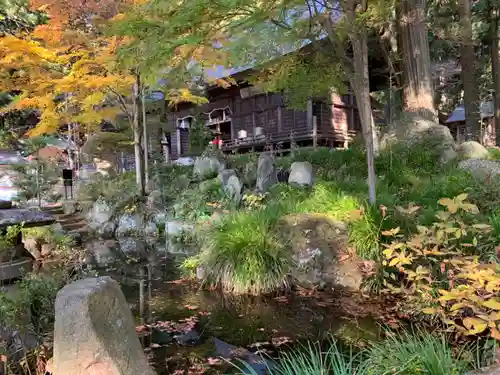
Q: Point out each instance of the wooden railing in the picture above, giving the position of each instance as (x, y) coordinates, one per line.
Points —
(289, 136)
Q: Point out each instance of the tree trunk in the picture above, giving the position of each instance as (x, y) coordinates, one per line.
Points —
(360, 82)
(139, 170)
(418, 91)
(145, 139)
(495, 67)
(468, 65)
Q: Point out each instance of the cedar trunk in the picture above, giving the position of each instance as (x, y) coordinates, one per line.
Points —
(468, 65)
(418, 92)
(495, 67)
(139, 169)
(360, 83)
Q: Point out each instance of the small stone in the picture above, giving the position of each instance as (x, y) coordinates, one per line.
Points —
(301, 174)
(233, 189)
(225, 175)
(188, 338)
(160, 337)
(207, 167)
(266, 173)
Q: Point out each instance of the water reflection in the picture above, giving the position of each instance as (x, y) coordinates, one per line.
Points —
(249, 322)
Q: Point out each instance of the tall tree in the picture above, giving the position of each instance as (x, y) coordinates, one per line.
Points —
(418, 92)
(68, 70)
(495, 61)
(469, 77)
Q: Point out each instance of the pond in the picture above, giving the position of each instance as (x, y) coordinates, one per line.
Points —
(178, 321)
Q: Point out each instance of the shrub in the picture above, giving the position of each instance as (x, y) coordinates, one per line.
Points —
(36, 179)
(200, 201)
(243, 254)
(110, 189)
(438, 272)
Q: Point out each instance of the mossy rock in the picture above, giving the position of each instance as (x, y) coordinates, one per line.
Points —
(319, 248)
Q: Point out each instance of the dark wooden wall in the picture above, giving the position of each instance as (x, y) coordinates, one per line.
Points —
(267, 111)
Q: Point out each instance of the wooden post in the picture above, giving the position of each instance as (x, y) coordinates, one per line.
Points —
(292, 149)
(178, 143)
(253, 124)
(310, 114)
(315, 131)
(280, 119)
(164, 144)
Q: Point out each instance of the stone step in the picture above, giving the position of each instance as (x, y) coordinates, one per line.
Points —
(75, 225)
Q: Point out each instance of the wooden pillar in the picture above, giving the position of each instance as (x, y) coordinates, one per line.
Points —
(164, 145)
(309, 114)
(280, 119)
(253, 125)
(315, 131)
(178, 136)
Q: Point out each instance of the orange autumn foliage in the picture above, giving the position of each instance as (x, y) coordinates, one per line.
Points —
(66, 69)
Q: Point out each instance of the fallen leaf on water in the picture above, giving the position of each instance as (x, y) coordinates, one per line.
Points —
(213, 361)
(282, 299)
(278, 341)
(203, 313)
(154, 346)
(197, 370)
(191, 307)
(140, 329)
(261, 329)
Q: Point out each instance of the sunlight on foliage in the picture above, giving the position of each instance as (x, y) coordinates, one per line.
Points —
(438, 270)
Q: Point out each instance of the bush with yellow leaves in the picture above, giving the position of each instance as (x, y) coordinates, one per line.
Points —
(439, 272)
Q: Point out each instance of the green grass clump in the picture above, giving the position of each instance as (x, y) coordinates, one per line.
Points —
(414, 354)
(404, 354)
(327, 198)
(244, 255)
(494, 153)
(311, 359)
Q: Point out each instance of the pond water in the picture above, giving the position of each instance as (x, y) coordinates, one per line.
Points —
(260, 324)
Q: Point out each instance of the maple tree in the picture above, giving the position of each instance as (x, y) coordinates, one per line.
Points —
(67, 70)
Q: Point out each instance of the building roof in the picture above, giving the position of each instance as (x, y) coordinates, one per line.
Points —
(458, 114)
(9, 157)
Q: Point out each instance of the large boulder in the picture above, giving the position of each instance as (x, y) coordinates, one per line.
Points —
(266, 172)
(301, 174)
(472, 150)
(480, 168)
(94, 331)
(207, 167)
(320, 252)
(413, 130)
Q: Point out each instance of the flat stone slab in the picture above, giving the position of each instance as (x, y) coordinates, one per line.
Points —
(94, 331)
(29, 217)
